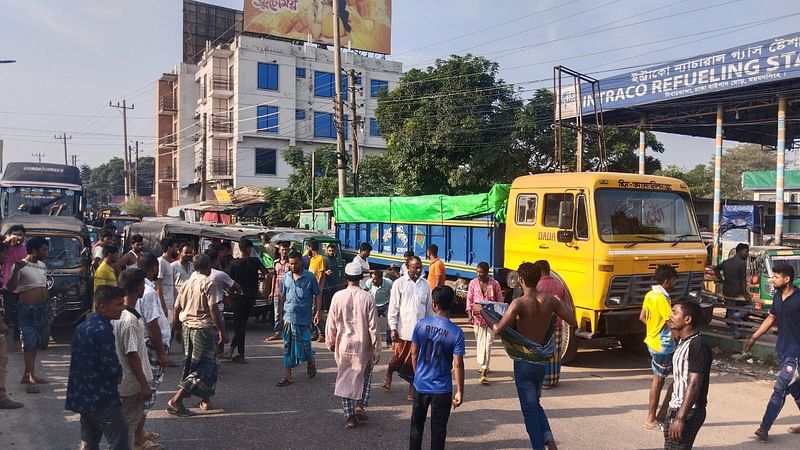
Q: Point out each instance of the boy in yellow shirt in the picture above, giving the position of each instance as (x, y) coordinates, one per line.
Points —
(655, 313)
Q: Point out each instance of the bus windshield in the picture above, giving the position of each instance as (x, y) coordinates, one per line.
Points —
(39, 201)
(627, 215)
(64, 252)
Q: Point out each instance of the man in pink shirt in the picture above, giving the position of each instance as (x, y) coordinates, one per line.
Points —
(551, 285)
(15, 240)
(482, 288)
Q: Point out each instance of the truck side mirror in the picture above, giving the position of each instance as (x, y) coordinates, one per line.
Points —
(565, 236)
(565, 211)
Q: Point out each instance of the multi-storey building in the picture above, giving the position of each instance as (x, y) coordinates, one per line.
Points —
(259, 96)
(176, 130)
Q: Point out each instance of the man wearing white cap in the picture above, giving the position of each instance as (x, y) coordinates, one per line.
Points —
(352, 334)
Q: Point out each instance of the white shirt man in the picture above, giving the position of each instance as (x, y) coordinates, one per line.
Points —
(409, 301)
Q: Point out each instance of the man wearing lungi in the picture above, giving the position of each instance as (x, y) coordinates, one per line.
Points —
(202, 331)
(409, 301)
(299, 292)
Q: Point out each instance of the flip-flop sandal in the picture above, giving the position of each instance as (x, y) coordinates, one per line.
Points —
(32, 389)
(362, 416)
(205, 406)
(151, 435)
(387, 387)
(653, 426)
(284, 382)
(312, 371)
(148, 445)
(239, 360)
(351, 422)
(179, 412)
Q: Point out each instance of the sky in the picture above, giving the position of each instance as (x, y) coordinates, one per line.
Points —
(74, 57)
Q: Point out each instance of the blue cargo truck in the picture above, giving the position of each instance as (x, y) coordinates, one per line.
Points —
(467, 229)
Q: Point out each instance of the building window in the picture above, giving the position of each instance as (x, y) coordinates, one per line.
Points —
(376, 86)
(268, 76)
(324, 85)
(373, 127)
(526, 209)
(300, 72)
(267, 120)
(299, 114)
(358, 80)
(323, 125)
(581, 219)
(266, 161)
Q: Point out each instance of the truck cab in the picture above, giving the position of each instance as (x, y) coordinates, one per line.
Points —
(604, 234)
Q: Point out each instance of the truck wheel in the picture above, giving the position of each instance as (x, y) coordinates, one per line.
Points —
(569, 343)
(633, 343)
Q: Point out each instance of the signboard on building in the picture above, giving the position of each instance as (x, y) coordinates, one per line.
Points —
(365, 24)
(766, 61)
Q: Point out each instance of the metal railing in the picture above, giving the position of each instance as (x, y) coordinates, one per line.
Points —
(222, 82)
(221, 167)
(167, 103)
(221, 124)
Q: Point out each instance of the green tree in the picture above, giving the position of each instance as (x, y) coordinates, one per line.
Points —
(700, 178)
(375, 177)
(146, 175)
(448, 128)
(107, 180)
(136, 207)
(738, 160)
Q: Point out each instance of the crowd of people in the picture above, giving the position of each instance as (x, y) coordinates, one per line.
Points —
(144, 303)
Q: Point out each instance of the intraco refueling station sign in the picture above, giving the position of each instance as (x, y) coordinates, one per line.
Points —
(747, 65)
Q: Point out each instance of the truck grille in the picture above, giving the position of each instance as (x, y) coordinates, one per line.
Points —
(631, 289)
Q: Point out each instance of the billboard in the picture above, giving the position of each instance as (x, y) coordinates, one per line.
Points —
(776, 59)
(366, 24)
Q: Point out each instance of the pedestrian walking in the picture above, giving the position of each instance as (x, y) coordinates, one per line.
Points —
(299, 293)
(156, 338)
(245, 272)
(333, 284)
(105, 238)
(381, 289)
(106, 274)
(733, 273)
(130, 259)
(183, 268)
(316, 265)
(406, 259)
(29, 278)
(483, 288)
(691, 370)
(165, 286)
(15, 241)
(354, 337)
(785, 313)
(5, 402)
(362, 258)
(552, 285)
(656, 310)
(129, 331)
(410, 301)
(437, 348)
(223, 286)
(531, 315)
(94, 374)
(201, 329)
(281, 266)
(436, 269)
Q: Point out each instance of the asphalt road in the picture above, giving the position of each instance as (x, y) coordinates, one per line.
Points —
(600, 404)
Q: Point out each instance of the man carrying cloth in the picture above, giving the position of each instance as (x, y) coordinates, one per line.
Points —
(299, 292)
(353, 336)
(410, 301)
(202, 330)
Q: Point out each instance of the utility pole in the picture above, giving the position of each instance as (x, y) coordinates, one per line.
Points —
(136, 171)
(203, 159)
(313, 182)
(337, 75)
(127, 168)
(74, 160)
(351, 84)
(64, 137)
(38, 155)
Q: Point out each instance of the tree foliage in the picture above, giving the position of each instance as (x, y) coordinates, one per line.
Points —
(136, 207)
(108, 179)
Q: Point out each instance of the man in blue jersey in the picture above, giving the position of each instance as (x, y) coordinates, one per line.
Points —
(436, 343)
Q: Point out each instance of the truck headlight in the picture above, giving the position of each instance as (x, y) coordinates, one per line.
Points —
(512, 279)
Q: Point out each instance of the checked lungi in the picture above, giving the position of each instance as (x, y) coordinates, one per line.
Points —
(349, 404)
(552, 371)
(158, 373)
(296, 345)
(200, 366)
(691, 426)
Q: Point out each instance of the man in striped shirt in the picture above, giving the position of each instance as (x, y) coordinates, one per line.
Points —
(691, 367)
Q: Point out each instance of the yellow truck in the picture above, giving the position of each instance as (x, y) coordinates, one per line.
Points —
(604, 234)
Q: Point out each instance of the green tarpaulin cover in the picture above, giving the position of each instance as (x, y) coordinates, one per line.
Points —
(765, 180)
(424, 208)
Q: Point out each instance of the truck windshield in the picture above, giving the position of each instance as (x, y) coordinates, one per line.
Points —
(627, 215)
(39, 201)
(64, 252)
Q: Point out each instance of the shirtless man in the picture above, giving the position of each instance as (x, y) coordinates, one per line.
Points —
(130, 259)
(30, 279)
(530, 316)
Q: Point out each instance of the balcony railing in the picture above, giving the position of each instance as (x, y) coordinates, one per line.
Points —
(168, 140)
(221, 167)
(221, 124)
(223, 82)
(167, 104)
